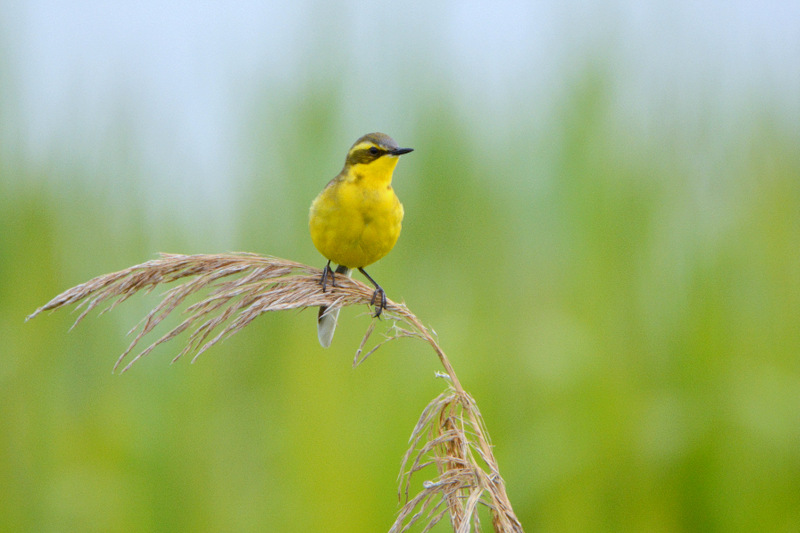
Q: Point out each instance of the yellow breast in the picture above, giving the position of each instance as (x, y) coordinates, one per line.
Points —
(356, 219)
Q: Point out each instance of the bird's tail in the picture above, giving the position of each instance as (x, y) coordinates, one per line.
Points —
(326, 320)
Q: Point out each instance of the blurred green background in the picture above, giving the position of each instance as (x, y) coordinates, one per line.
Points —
(602, 225)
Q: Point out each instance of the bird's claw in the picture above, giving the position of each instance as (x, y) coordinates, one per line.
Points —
(325, 272)
(381, 304)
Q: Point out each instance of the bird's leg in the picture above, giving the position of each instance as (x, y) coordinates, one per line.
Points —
(378, 291)
(328, 271)
(325, 272)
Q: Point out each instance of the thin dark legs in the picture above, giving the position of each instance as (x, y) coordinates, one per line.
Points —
(379, 292)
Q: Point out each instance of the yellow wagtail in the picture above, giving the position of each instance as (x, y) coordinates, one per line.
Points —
(356, 219)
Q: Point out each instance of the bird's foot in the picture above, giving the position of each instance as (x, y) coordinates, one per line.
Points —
(327, 271)
(381, 302)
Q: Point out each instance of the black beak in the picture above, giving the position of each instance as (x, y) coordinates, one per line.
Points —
(401, 151)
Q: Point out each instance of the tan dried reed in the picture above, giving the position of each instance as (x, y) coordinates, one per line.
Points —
(449, 437)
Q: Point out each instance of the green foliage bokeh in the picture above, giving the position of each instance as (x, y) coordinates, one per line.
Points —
(623, 306)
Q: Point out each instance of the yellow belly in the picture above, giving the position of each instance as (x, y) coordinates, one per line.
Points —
(355, 226)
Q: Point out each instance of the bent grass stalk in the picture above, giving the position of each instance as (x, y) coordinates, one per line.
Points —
(449, 436)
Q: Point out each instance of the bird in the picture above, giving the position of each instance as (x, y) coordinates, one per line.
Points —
(356, 219)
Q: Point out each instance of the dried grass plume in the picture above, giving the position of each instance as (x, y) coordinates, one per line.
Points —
(449, 444)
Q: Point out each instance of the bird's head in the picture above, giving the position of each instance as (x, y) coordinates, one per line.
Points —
(375, 149)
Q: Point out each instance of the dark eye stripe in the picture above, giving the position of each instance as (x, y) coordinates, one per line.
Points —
(364, 156)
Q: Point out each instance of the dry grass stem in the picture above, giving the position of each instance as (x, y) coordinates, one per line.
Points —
(237, 289)
(449, 442)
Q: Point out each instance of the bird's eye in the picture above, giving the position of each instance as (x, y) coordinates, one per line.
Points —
(373, 150)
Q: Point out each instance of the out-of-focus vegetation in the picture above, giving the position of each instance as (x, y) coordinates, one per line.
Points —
(622, 302)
